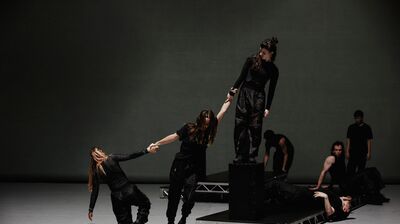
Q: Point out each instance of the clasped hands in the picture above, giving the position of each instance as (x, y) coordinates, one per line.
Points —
(153, 148)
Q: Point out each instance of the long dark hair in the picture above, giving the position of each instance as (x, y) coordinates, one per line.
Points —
(270, 45)
(198, 131)
(93, 166)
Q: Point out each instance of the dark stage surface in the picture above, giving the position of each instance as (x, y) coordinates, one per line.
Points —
(44, 203)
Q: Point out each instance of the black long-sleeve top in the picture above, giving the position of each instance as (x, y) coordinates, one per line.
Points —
(115, 176)
(257, 79)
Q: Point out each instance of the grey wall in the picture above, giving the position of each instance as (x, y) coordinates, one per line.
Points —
(123, 74)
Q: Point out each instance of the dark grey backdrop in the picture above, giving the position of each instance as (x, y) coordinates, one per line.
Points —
(123, 74)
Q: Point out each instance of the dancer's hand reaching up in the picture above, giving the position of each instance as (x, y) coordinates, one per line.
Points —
(266, 113)
(319, 194)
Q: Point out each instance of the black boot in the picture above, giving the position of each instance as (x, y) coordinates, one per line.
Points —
(182, 220)
(252, 160)
(142, 216)
(171, 220)
(238, 159)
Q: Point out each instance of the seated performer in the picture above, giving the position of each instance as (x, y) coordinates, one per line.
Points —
(366, 184)
(279, 193)
(283, 156)
(189, 163)
(335, 165)
(123, 194)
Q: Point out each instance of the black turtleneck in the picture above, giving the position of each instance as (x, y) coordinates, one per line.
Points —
(257, 79)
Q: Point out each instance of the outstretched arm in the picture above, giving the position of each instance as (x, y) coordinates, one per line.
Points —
(224, 108)
(168, 139)
(125, 157)
(327, 164)
(93, 196)
(240, 79)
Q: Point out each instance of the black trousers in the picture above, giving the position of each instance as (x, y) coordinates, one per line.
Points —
(368, 181)
(355, 165)
(182, 177)
(122, 201)
(250, 109)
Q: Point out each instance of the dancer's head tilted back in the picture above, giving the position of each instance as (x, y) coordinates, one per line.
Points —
(97, 156)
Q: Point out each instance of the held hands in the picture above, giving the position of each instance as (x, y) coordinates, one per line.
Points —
(266, 113)
(319, 194)
(229, 98)
(153, 148)
(231, 93)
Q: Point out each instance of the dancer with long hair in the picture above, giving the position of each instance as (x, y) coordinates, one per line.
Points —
(123, 194)
(189, 163)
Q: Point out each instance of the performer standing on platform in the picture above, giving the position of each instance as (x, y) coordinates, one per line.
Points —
(335, 165)
(123, 194)
(283, 156)
(359, 143)
(251, 106)
(187, 166)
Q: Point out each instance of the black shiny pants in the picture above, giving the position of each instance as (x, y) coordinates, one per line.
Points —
(122, 201)
(250, 109)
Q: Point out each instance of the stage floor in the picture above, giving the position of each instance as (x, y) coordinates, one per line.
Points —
(49, 203)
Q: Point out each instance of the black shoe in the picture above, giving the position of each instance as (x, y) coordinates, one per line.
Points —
(171, 221)
(142, 217)
(383, 198)
(238, 159)
(252, 160)
(182, 221)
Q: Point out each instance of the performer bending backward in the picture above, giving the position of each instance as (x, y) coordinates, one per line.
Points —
(188, 164)
(123, 194)
(335, 165)
(251, 106)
